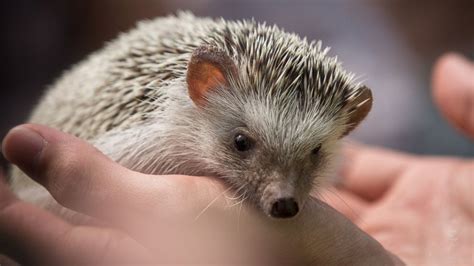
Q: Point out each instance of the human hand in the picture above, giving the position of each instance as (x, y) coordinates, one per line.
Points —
(157, 218)
(419, 207)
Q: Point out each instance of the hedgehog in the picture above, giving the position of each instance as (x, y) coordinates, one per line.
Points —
(249, 103)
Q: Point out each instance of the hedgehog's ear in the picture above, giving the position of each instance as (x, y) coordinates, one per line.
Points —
(357, 108)
(208, 69)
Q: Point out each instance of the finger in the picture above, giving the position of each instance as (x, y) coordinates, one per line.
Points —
(453, 91)
(369, 172)
(32, 236)
(83, 179)
(77, 175)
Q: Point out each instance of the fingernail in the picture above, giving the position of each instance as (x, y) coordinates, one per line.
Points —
(22, 146)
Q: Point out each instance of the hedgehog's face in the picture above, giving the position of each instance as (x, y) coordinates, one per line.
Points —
(272, 159)
(271, 149)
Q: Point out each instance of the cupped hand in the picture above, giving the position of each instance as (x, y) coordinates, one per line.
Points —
(149, 218)
(419, 207)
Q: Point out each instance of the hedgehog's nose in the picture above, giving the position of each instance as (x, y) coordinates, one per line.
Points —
(284, 208)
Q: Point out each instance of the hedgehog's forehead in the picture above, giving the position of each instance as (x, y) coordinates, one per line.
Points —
(280, 123)
(290, 94)
(291, 125)
(310, 79)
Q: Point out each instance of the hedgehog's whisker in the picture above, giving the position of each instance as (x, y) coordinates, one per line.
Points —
(240, 209)
(210, 204)
(353, 212)
(242, 197)
(234, 198)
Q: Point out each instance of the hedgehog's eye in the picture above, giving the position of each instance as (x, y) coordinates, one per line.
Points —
(242, 142)
(316, 150)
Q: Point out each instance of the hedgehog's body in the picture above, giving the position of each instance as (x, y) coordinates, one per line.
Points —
(142, 102)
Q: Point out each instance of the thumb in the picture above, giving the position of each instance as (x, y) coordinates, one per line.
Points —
(43, 152)
(453, 91)
(65, 165)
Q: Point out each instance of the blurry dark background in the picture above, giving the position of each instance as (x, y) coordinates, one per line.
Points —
(390, 44)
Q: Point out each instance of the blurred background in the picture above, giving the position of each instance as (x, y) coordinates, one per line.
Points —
(392, 45)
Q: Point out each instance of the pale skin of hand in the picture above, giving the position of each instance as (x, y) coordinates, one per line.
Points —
(164, 219)
(419, 207)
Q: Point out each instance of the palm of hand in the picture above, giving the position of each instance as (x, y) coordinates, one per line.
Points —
(426, 222)
(420, 208)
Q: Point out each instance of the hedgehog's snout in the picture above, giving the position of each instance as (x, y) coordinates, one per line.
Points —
(284, 208)
(279, 200)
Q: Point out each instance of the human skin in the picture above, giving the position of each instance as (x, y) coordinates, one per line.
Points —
(147, 218)
(136, 208)
(419, 207)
